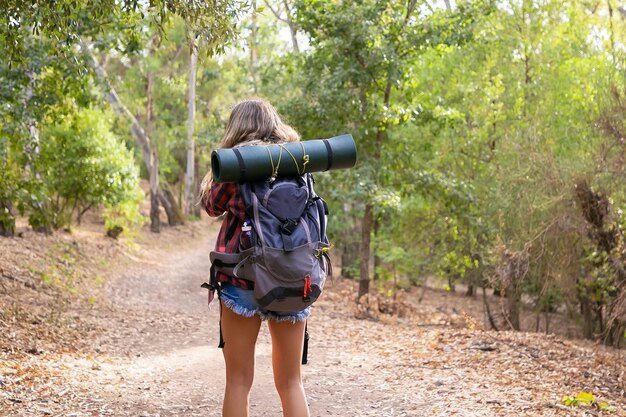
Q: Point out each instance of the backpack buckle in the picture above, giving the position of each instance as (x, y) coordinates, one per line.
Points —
(288, 227)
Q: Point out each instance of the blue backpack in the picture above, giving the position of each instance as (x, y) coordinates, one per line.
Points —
(283, 243)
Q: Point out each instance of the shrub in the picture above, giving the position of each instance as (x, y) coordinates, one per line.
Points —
(83, 165)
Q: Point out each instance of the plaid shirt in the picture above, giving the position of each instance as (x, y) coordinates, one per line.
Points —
(226, 198)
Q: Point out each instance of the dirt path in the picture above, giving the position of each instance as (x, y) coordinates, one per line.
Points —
(165, 361)
(158, 355)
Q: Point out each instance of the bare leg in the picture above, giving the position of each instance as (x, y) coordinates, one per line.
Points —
(287, 344)
(240, 334)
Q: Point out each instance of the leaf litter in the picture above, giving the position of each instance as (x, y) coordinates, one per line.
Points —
(146, 346)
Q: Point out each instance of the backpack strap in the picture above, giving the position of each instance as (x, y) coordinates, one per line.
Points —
(305, 348)
(214, 286)
(322, 207)
(226, 263)
(286, 229)
(329, 150)
(242, 164)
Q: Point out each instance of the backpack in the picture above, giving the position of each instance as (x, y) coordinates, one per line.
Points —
(283, 244)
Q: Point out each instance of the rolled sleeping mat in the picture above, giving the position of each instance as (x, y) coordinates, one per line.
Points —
(262, 162)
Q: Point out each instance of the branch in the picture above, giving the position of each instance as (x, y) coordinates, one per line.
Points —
(276, 12)
(429, 7)
(359, 59)
(409, 9)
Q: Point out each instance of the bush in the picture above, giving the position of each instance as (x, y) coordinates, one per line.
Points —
(83, 165)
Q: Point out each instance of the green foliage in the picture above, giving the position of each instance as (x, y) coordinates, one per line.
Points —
(474, 125)
(124, 217)
(67, 21)
(588, 399)
(83, 166)
(41, 89)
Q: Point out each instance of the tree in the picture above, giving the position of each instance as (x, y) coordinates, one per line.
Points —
(190, 189)
(33, 90)
(284, 12)
(113, 24)
(365, 51)
(70, 20)
(148, 151)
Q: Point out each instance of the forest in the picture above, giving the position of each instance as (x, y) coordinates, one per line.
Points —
(491, 134)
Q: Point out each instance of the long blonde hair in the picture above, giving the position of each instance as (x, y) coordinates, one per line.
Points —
(254, 121)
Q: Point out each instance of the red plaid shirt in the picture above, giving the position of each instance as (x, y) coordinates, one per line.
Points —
(226, 198)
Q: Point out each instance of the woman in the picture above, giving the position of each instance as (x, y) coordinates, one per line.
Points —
(253, 122)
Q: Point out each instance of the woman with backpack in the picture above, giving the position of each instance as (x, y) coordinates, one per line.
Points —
(252, 122)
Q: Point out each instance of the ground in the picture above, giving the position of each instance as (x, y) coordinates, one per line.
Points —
(90, 326)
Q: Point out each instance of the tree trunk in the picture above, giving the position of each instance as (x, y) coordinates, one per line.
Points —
(294, 39)
(7, 220)
(175, 216)
(368, 218)
(513, 308)
(512, 269)
(252, 45)
(155, 219)
(490, 318)
(288, 19)
(293, 29)
(589, 318)
(366, 237)
(153, 174)
(190, 173)
(377, 260)
(197, 208)
(32, 149)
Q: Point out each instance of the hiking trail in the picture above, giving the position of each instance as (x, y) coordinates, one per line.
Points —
(158, 355)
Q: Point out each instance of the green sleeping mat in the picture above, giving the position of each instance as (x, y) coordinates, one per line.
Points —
(257, 163)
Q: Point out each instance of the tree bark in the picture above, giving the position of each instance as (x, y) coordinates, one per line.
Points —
(155, 219)
(153, 174)
(32, 149)
(175, 216)
(190, 191)
(377, 260)
(366, 237)
(293, 29)
(252, 43)
(490, 317)
(197, 208)
(513, 307)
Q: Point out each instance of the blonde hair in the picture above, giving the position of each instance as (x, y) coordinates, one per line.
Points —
(254, 121)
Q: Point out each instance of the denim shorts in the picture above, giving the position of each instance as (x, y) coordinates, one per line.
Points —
(243, 303)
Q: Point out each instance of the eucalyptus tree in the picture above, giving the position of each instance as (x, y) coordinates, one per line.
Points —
(284, 12)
